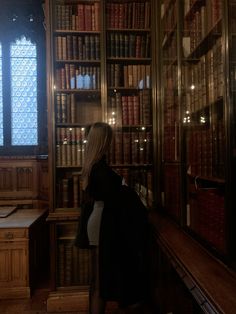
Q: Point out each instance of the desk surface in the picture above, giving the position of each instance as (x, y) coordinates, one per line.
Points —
(22, 218)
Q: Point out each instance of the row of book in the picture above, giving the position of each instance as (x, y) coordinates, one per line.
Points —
(69, 188)
(203, 21)
(72, 76)
(78, 17)
(169, 16)
(129, 76)
(206, 152)
(69, 185)
(170, 51)
(74, 265)
(131, 15)
(232, 18)
(141, 181)
(120, 45)
(74, 47)
(130, 109)
(204, 81)
(65, 108)
(70, 145)
(207, 216)
(171, 195)
(170, 142)
(131, 148)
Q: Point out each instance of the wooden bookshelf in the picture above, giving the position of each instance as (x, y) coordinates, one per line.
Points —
(99, 57)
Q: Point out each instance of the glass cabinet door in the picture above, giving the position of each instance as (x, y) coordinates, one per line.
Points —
(204, 120)
(171, 108)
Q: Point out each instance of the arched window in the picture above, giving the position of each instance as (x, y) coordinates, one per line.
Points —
(24, 119)
(1, 103)
(23, 111)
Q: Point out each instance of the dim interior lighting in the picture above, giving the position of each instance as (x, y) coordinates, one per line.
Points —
(14, 18)
(65, 141)
(31, 18)
(202, 119)
(143, 128)
(187, 118)
(192, 87)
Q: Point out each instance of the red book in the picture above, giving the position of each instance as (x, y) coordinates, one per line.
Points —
(125, 113)
(126, 147)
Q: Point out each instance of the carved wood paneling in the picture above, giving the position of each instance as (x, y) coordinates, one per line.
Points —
(23, 181)
(6, 179)
(24, 178)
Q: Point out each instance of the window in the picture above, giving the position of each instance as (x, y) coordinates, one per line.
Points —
(24, 126)
(22, 79)
(1, 104)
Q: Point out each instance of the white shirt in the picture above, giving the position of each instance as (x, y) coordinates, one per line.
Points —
(93, 226)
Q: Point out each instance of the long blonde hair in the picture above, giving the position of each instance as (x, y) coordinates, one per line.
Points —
(98, 143)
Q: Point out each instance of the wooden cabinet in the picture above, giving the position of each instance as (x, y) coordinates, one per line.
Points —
(21, 251)
(99, 57)
(24, 181)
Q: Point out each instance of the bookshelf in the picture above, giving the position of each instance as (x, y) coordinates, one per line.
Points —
(129, 104)
(74, 61)
(99, 58)
(196, 44)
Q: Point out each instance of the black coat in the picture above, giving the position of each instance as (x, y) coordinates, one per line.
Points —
(123, 236)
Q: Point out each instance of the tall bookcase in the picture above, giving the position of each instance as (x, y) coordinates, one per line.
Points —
(99, 57)
(198, 159)
(129, 105)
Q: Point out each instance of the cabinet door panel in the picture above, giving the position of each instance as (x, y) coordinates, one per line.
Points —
(19, 265)
(4, 266)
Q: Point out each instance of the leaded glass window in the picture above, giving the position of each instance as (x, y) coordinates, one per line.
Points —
(1, 102)
(24, 119)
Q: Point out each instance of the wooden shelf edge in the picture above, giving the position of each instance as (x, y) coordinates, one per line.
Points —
(201, 272)
(63, 215)
(69, 301)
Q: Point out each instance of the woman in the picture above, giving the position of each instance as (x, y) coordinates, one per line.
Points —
(116, 228)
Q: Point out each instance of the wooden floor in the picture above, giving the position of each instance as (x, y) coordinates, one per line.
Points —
(37, 305)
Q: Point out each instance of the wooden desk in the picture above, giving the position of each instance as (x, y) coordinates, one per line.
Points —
(20, 245)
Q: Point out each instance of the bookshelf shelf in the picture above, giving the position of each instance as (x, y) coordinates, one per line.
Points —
(73, 31)
(207, 42)
(90, 92)
(89, 61)
(127, 30)
(210, 180)
(195, 6)
(131, 59)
